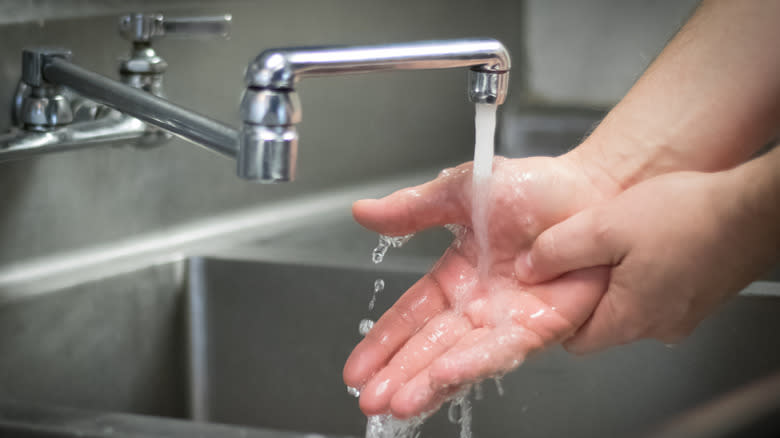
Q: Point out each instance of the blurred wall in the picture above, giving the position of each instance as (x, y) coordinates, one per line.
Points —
(589, 53)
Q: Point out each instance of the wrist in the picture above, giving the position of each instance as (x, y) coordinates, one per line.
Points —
(625, 149)
(750, 206)
(593, 171)
(616, 160)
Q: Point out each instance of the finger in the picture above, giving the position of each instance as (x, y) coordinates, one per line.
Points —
(496, 352)
(553, 309)
(614, 322)
(584, 240)
(444, 371)
(435, 203)
(418, 397)
(411, 312)
(524, 322)
(430, 342)
(572, 296)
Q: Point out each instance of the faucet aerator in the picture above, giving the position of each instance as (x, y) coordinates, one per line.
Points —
(267, 154)
(488, 86)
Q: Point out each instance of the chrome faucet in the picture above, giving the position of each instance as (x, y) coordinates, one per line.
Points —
(270, 108)
(60, 105)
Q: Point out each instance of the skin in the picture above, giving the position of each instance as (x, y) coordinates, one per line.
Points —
(447, 329)
(728, 221)
(709, 101)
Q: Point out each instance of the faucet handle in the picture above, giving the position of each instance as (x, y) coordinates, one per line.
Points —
(218, 25)
(33, 60)
(141, 28)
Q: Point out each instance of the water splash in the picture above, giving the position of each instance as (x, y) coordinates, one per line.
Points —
(379, 286)
(459, 412)
(387, 426)
(365, 326)
(479, 393)
(385, 242)
(462, 293)
(459, 231)
(354, 392)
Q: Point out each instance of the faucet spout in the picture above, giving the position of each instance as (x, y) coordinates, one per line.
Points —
(270, 108)
(280, 69)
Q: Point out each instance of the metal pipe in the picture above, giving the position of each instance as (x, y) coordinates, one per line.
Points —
(144, 106)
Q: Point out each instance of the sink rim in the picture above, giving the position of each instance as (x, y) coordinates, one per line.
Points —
(53, 420)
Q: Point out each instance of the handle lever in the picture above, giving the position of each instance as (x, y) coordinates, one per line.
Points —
(141, 28)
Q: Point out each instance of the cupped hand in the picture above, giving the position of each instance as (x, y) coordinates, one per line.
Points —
(677, 246)
(450, 328)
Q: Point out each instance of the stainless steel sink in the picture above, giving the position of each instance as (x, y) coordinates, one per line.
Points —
(256, 336)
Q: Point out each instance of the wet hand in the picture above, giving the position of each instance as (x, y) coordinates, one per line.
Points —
(676, 246)
(449, 329)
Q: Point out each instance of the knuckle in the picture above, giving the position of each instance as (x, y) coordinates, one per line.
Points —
(546, 247)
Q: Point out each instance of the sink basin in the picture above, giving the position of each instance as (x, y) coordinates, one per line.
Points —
(256, 336)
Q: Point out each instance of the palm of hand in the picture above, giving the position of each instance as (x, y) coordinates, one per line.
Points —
(450, 329)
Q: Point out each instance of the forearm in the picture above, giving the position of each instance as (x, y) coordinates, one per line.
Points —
(709, 101)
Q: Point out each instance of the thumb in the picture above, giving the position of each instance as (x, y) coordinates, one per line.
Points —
(584, 240)
(435, 203)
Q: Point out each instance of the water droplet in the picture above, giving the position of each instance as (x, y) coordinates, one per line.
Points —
(478, 392)
(365, 326)
(459, 412)
(379, 286)
(379, 253)
(499, 386)
(453, 413)
(385, 242)
(354, 392)
(400, 241)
